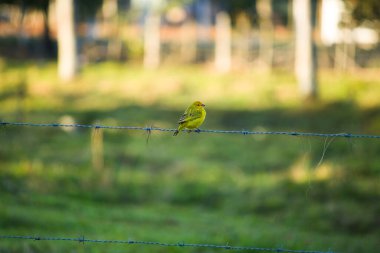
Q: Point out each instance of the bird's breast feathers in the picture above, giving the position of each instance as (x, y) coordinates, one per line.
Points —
(193, 118)
(195, 123)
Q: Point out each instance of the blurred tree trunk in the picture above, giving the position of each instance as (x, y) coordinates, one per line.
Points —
(264, 10)
(152, 40)
(345, 50)
(67, 55)
(111, 19)
(21, 38)
(243, 34)
(305, 63)
(48, 49)
(188, 46)
(223, 42)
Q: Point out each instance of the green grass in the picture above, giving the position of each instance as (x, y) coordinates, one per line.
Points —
(264, 191)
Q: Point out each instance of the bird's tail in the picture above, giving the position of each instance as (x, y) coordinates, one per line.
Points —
(180, 127)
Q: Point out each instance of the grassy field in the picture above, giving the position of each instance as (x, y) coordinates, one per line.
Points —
(263, 191)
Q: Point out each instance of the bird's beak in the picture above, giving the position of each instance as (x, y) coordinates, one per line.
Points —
(203, 105)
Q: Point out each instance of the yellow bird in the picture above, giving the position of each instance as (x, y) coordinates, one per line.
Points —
(193, 117)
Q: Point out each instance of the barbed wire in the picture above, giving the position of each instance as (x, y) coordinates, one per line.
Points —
(83, 240)
(150, 129)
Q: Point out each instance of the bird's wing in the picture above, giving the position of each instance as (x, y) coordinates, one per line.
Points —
(190, 114)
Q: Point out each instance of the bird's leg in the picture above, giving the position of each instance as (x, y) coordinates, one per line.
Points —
(197, 130)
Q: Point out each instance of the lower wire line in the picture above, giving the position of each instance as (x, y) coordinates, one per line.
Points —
(83, 240)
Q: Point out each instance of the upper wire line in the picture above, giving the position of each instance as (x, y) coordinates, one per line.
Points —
(150, 129)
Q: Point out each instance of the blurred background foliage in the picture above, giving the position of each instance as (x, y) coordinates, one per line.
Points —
(264, 191)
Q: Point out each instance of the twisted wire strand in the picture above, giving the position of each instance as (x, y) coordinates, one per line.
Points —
(83, 240)
(150, 129)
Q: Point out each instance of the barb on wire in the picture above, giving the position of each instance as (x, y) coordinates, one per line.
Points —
(83, 240)
(150, 129)
(149, 132)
